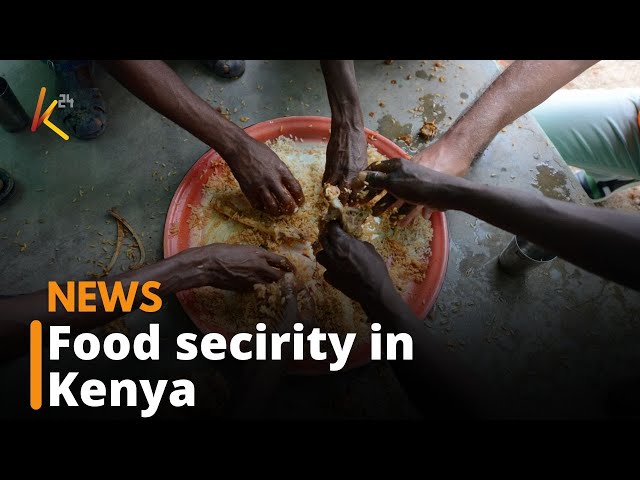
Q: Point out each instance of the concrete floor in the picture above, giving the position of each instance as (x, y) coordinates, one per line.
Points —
(551, 343)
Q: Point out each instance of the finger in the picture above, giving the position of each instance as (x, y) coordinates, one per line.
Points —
(345, 192)
(330, 278)
(376, 179)
(383, 204)
(399, 210)
(269, 203)
(386, 166)
(406, 208)
(330, 177)
(327, 237)
(291, 184)
(255, 199)
(278, 261)
(327, 260)
(409, 218)
(426, 213)
(323, 258)
(367, 195)
(288, 282)
(395, 206)
(357, 185)
(269, 275)
(286, 203)
(290, 307)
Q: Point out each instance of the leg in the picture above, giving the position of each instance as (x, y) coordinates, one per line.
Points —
(86, 118)
(596, 130)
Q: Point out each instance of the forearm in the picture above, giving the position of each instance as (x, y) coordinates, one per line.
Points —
(19, 311)
(342, 90)
(521, 87)
(602, 241)
(153, 82)
(433, 380)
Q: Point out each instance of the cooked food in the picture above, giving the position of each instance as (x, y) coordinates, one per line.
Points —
(351, 218)
(224, 215)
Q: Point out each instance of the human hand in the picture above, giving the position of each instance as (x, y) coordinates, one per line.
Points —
(346, 157)
(232, 267)
(442, 156)
(292, 312)
(265, 180)
(413, 184)
(353, 267)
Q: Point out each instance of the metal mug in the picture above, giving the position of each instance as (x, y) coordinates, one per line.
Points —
(13, 118)
(521, 255)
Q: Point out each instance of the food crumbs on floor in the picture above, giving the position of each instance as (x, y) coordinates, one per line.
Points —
(406, 139)
(428, 130)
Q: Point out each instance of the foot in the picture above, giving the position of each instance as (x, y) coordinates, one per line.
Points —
(599, 191)
(86, 117)
(226, 68)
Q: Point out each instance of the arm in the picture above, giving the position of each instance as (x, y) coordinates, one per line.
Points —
(264, 179)
(433, 379)
(601, 241)
(222, 266)
(347, 147)
(522, 86)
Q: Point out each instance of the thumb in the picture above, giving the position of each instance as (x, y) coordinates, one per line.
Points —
(374, 179)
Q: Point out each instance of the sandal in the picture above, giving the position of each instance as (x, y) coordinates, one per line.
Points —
(86, 117)
(600, 191)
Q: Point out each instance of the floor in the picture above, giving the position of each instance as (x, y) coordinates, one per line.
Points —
(550, 343)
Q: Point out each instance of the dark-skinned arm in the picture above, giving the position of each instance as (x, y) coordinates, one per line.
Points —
(525, 84)
(347, 147)
(230, 267)
(600, 240)
(432, 379)
(263, 177)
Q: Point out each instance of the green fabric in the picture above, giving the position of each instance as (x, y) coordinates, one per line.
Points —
(596, 130)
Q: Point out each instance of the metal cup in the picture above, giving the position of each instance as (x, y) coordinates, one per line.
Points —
(521, 255)
(13, 118)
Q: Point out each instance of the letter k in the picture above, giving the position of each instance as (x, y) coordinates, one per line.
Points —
(39, 119)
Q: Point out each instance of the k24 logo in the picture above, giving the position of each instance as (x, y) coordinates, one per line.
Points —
(44, 118)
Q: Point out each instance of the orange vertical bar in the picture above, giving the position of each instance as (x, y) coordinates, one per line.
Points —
(36, 116)
(36, 365)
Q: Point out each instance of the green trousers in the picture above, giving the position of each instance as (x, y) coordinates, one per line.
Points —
(596, 130)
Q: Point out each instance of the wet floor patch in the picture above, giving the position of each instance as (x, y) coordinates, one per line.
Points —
(431, 108)
(552, 183)
(391, 128)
